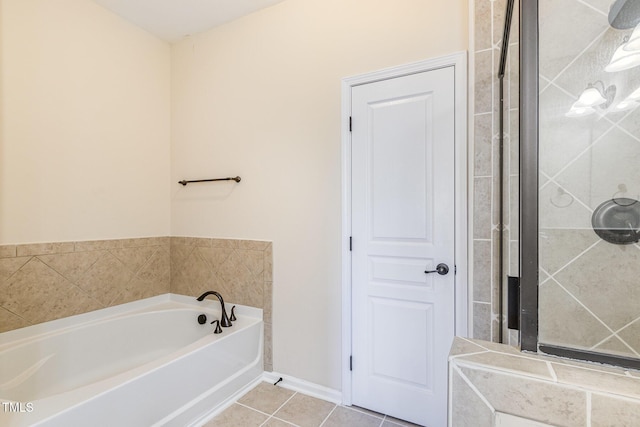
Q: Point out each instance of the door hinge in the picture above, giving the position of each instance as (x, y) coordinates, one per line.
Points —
(351, 363)
(350, 124)
(350, 243)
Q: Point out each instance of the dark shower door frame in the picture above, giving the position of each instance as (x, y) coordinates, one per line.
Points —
(529, 151)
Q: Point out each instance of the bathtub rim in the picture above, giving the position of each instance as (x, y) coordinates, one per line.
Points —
(165, 301)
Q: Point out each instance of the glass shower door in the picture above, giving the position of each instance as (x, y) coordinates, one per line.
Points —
(589, 176)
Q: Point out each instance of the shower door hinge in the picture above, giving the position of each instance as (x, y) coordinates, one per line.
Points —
(351, 363)
(513, 302)
(350, 124)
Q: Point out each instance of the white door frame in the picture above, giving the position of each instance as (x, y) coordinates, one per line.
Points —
(459, 62)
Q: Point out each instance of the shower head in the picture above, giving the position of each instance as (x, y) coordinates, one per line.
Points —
(624, 14)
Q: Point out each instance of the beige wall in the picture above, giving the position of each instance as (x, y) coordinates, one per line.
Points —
(260, 98)
(84, 124)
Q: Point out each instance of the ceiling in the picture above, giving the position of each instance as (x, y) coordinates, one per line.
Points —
(171, 20)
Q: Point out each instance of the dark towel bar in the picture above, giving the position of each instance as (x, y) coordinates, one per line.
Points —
(236, 179)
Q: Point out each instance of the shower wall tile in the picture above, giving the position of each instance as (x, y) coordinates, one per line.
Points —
(543, 389)
(482, 321)
(631, 335)
(514, 207)
(499, 14)
(603, 381)
(602, 5)
(555, 55)
(509, 363)
(474, 412)
(483, 138)
(484, 79)
(514, 258)
(561, 142)
(47, 281)
(482, 24)
(610, 411)
(614, 345)
(489, 17)
(631, 122)
(241, 270)
(513, 70)
(482, 208)
(566, 322)
(558, 247)
(588, 278)
(482, 271)
(530, 398)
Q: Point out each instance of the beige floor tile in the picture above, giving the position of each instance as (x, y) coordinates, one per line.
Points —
(266, 397)
(342, 417)
(236, 416)
(274, 422)
(305, 411)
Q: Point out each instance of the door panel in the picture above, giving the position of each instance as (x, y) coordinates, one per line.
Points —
(403, 225)
(408, 364)
(399, 192)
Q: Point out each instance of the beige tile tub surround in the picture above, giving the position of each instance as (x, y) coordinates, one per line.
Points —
(486, 379)
(47, 281)
(241, 270)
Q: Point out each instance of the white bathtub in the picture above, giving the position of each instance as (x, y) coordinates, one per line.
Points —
(140, 364)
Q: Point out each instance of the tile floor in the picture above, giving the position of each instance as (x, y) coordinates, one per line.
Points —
(267, 405)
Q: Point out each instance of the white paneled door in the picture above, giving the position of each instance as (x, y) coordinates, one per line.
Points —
(403, 297)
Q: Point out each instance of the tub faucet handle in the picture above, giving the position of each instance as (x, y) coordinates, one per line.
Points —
(218, 329)
(233, 317)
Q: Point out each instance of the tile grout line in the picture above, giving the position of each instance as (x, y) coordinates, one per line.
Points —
(584, 306)
(252, 408)
(272, 415)
(280, 407)
(579, 55)
(328, 415)
(473, 388)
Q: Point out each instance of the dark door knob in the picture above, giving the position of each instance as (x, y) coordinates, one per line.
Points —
(441, 269)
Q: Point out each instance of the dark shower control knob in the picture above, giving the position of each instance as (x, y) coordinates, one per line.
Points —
(441, 269)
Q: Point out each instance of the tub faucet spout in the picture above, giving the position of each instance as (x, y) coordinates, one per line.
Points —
(224, 321)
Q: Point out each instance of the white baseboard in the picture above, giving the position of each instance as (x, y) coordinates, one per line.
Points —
(304, 387)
